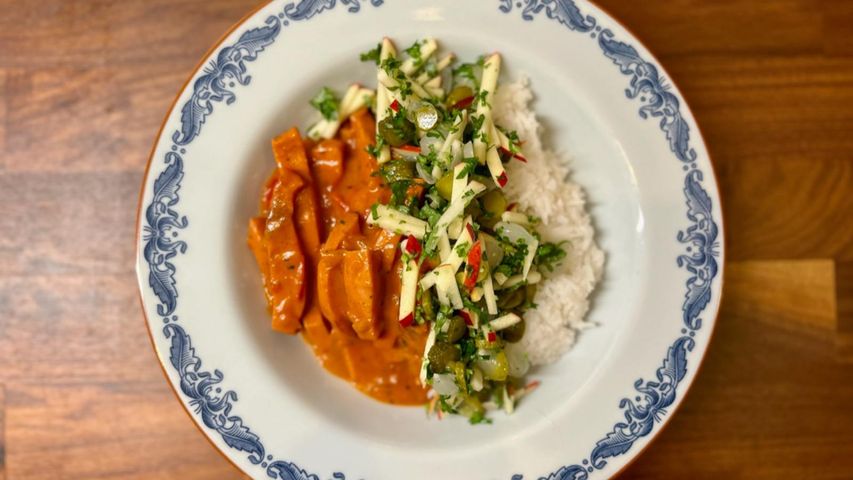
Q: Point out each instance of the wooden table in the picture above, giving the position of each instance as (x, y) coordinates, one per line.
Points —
(85, 85)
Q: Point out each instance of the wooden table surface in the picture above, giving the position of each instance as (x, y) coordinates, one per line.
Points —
(84, 86)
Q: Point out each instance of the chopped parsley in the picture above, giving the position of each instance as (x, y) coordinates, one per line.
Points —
(415, 53)
(372, 55)
(326, 102)
(470, 164)
(469, 71)
(549, 255)
(479, 416)
(514, 255)
(480, 98)
(392, 67)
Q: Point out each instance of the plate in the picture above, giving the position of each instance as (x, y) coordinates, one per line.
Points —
(263, 400)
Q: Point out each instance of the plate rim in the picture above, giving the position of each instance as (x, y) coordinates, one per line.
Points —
(506, 6)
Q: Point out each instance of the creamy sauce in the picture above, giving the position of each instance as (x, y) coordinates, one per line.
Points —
(327, 273)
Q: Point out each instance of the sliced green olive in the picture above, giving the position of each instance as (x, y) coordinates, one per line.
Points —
(397, 170)
(396, 132)
(494, 203)
(512, 299)
(427, 306)
(514, 333)
(456, 329)
(459, 93)
(474, 209)
(426, 116)
(444, 185)
(441, 356)
(530, 293)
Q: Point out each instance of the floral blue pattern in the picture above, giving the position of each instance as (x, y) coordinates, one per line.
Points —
(163, 223)
(219, 77)
(649, 407)
(660, 102)
(213, 406)
(701, 260)
(308, 8)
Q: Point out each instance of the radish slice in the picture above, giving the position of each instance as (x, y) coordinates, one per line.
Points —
(459, 252)
(456, 208)
(430, 341)
(384, 97)
(504, 321)
(489, 295)
(446, 287)
(397, 222)
(408, 289)
(459, 182)
(444, 250)
(427, 48)
(516, 217)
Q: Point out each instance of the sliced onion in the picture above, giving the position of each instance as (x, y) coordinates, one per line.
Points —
(494, 251)
(444, 384)
(430, 143)
(517, 358)
(468, 150)
(422, 172)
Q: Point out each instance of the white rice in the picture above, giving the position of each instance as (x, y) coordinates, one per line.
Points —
(542, 187)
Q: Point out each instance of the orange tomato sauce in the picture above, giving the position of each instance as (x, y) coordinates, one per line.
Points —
(329, 275)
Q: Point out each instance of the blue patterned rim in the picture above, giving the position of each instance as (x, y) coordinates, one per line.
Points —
(214, 86)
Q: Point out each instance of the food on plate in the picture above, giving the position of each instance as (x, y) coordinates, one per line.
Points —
(422, 240)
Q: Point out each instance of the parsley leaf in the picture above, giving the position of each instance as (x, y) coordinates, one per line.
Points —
(372, 55)
(326, 103)
(470, 164)
(415, 52)
(549, 255)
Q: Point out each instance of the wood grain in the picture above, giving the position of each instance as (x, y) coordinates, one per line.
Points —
(84, 86)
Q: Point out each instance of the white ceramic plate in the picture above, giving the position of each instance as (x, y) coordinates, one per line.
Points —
(261, 397)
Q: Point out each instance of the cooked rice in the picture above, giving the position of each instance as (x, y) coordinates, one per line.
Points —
(542, 187)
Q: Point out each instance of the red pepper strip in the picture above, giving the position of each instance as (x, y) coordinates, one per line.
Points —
(467, 317)
(470, 231)
(395, 105)
(502, 180)
(517, 156)
(407, 320)
(463, 104)
(492, 337)
(474, 257)
(413, 246)
(410, 148)
(511, 207)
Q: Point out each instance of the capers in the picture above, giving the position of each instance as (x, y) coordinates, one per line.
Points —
(514, 333)
(441, 356)
(512, 299)
(444, 185)
(456, 329)
(494, 203)
(397, 131)
(397, 170)
(459, 93)
(530, 293)
(474, 209)
(426, 305)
